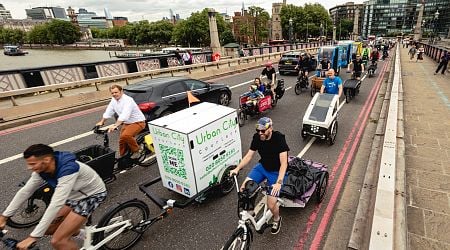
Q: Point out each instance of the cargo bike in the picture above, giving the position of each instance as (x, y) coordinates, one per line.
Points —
(196, 149)
(102, 159)
(320, 119)
(269, 101)
(317, 81)
(305, 179)
(351, 86)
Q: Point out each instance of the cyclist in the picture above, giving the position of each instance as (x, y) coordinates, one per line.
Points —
(325, 65)
(271, 75)
(332, 84)
(78, 191)
(130, 117)
(273, 150)
(303, 64)
(358, 67)
(253, 95)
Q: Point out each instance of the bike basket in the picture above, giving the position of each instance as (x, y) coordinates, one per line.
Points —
(247, 198)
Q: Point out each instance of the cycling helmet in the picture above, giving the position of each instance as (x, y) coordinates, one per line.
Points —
(269, 64)
(264, 123)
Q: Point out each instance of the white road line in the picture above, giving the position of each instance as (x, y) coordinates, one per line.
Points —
(288, 88)
(307, 146)
(17, 156)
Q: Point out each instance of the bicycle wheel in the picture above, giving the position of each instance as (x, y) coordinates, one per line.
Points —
(237, 241)
(298, 88)
(29, 214)
(133, 210)
(148, 156)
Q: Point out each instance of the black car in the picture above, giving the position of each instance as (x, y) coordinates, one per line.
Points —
(163, 96)
(289, 61)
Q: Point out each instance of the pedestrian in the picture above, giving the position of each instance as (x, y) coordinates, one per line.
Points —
(179, 57)
(412, 53)
(420, 52)
(443, 64)
(187, 58)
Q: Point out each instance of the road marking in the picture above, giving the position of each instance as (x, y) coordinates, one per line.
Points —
(307, 146)
(73, 138)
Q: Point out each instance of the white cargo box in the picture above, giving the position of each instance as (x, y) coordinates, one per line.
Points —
(194, 145)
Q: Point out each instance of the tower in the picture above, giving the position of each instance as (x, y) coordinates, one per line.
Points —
(72, 16)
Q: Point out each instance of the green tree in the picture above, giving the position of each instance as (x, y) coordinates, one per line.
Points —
(344, 28)
(38, 34)
(12, 36)
(161, 31)
(227, 37)
(260, 25)
(62, 32)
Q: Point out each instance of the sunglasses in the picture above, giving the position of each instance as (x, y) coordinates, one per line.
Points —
(262, 131)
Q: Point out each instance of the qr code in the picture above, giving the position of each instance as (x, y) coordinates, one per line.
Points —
(173, 161)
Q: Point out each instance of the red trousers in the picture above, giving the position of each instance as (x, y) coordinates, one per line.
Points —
(127, 134)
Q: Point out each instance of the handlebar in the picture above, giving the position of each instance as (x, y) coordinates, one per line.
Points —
(100, 130)
(11, 244)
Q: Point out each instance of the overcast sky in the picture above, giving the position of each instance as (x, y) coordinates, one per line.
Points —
(152, 10)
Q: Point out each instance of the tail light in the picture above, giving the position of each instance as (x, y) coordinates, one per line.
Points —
(146, 106)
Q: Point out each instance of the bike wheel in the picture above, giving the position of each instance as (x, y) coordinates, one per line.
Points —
(133, 210)
(29, 214)
(148, 156)
(313, 91)
(237, 241)
(298, 88)
(332, 134)
(321, 187)
(241, 117)
(348, 96)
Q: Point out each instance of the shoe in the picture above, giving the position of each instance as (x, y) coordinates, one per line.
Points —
(136, 155)
(435, 73)
(276, 226)
(81, 235)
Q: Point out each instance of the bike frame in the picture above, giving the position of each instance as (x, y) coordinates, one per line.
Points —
(91, 230)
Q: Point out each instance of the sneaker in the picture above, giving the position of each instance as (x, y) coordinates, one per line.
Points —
(136, 155)
(276, 225)
(81, 235)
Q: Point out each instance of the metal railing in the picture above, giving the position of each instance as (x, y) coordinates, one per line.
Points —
(13, 94)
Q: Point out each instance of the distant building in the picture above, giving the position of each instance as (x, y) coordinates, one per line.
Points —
(400, 16)
(21, 24)
(84, 14)
(241, 32)
(119, 21)
(347, 11)
(42, 13)
(108, 14)
(4, 13)
(226, 17)
(276, 32)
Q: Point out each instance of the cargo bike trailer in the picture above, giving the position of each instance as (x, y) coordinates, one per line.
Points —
(102, 159)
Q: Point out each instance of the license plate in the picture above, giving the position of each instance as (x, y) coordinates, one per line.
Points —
(288, 62)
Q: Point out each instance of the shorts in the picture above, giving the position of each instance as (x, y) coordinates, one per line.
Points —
(85, 207)
(259, 174)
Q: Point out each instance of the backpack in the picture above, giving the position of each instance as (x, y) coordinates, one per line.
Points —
(299, 180)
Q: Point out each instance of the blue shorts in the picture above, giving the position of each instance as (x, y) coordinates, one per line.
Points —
(259, 174)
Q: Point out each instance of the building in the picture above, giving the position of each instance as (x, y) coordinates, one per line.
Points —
(276, 31)
(347, 11)
(227, 18)
(4, 13)
(21, 24)
(41, 13)
(119, 21)
(84, 14)
(395, 17)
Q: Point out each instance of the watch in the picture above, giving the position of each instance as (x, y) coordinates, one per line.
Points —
(280, 181)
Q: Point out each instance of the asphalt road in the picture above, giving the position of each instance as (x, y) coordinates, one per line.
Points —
(207, 225)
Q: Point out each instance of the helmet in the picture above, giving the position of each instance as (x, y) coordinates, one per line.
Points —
(264, 123)
(269, 64)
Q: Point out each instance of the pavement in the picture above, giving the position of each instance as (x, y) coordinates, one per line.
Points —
(427, 153)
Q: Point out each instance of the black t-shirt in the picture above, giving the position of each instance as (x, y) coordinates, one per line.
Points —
(270, 150)
(357, 65)
(268, 73)
(324, 64)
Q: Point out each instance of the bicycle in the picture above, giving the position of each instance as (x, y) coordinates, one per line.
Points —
(259, 216)
(99, 157)
(11, 244)
(302, 82)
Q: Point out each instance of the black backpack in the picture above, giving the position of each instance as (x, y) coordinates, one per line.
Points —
(299, 180)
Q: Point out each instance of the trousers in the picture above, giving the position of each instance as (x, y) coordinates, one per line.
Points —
(127, 134)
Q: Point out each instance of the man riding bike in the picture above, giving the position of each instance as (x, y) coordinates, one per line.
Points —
(332, 84)
(303, 65)
(79, 190)
(358, 67)
(271, 75)
(273, 150)
(325, 65)
(130, 117)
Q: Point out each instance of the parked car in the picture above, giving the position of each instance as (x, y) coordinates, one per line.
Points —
(163, 96)
(289, 61)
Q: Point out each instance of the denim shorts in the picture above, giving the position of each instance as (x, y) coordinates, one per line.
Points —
(259, 174)
(85, 207)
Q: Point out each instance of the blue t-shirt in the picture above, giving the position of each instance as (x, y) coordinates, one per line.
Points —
(332, 85)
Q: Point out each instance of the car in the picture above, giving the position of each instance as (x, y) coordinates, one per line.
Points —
(159, 97)
(289, 61)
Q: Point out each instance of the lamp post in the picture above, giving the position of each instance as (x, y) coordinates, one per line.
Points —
(290, 30)
(307, 28)
(436, 16)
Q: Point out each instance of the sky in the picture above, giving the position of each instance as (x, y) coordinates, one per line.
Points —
(153, 10)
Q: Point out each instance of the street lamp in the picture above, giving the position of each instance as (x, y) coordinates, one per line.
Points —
(290, 30)
(436, 16)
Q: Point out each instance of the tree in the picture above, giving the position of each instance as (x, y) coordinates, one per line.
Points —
(62, 32)
(345, 28)
(227, 37)
(12, 36)
(38, 34)
(260, 25)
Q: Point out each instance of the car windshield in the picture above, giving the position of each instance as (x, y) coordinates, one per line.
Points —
(140, 95)
(290, 56)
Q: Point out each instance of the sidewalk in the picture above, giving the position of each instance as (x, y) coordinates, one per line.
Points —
(427, 154)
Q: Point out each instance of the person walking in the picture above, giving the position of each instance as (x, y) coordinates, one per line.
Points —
(443, 64)
(412, 52)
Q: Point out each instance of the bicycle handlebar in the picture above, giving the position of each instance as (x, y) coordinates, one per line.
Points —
(11, 244)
